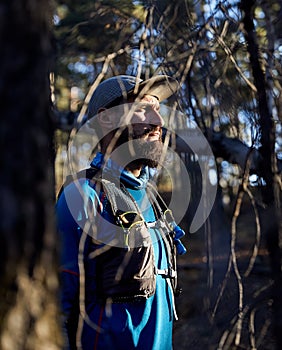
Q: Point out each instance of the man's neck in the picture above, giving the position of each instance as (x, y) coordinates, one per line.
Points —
(134, 170)
(134, 167)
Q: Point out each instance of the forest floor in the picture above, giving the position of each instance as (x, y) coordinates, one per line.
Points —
(215, 289)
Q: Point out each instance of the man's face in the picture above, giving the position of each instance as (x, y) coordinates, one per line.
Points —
(146, 122)
(145, 129)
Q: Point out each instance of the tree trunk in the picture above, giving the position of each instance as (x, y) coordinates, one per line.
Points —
(270, 217)
(28, 254)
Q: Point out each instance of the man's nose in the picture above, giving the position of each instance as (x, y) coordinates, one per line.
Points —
(155, 118)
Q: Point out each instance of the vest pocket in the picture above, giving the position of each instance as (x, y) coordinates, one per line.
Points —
(126, 275)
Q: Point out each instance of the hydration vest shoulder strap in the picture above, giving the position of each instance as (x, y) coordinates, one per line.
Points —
(88, 173)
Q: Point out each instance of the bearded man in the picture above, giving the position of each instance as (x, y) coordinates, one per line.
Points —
(118, 271)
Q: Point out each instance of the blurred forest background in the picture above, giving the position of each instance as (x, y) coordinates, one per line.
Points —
(227, 56)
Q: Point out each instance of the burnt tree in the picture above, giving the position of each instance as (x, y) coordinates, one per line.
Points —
(271, 192)
(28, 245)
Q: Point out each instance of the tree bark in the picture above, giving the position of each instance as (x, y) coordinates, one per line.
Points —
(271, 229)
(28, 243)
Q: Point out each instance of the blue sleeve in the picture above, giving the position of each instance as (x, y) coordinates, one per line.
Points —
(74, 205)
(69, 273)
(68, 230)
(72, 210)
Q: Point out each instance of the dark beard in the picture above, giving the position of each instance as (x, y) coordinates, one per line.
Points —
(145, 153)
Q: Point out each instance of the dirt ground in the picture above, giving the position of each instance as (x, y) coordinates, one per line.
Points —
(208, 308)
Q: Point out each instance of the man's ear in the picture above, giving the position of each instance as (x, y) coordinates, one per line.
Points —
(104, 118)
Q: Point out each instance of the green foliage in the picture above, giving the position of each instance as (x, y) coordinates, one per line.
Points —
(200, 43)
(86, 31)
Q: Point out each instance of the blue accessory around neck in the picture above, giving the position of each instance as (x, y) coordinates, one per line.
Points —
(114, 170)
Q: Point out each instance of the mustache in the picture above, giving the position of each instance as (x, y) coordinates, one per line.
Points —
(129, 134)
(147, 130)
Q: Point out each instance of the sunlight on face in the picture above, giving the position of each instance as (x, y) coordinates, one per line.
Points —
(146, 121)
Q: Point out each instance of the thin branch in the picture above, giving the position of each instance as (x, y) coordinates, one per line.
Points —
(232, 58)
